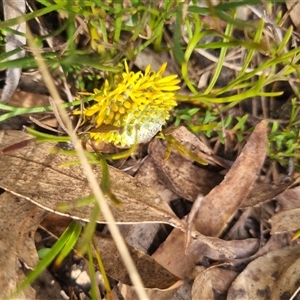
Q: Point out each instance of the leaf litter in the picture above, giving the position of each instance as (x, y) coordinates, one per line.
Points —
(19, 220)
(39, 175)
(152, 274)
(35, 166)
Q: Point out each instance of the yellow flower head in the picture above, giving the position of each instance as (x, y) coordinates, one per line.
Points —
(134, 109)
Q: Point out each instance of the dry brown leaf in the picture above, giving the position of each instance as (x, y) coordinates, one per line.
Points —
(140, 236)
(275, 242)
(153, 275)
(192, 143)
(171, 255)
(212, 282)
(220, 205)
(294, 13)
(188, 140)
(147, 174)
(288, 282)
(181, 264)
(37, 175)
(240, 248)
(272, 276)
(180, 175)
(129, 292)
(289, 199)
(19, 220)
(55, 224)
(287, 220)
(133, 233)
(26, 99)
(264, 192)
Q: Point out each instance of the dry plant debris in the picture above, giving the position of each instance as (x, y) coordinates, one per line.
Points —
(19, 221)
(13, 9)
(37, 165)
(214, 218)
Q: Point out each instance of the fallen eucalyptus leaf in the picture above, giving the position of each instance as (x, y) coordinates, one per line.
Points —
(192, 143)
(264, 192)
(275, 242)
(129, 292)
(179, 174)
(153, 275)
(35, 173)
(219, 206)
(212, 283)
(18, 222)
(287, 220)
(294, 12)
(171, 255)
(272, 276)
(216, 214)
(240, 248)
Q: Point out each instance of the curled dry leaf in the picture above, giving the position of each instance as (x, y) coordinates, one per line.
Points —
(153, 275)
(212, 282)
(239, 248)
(275, 242)
(272, 276)
(220, 205)
(36, 174)
(129, 292)
(19, 220)
(287, 218)
(179, 174)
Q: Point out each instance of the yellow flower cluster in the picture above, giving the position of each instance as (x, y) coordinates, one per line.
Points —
(134, 109)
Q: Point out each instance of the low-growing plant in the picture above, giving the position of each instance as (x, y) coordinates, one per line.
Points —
(116, 30)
